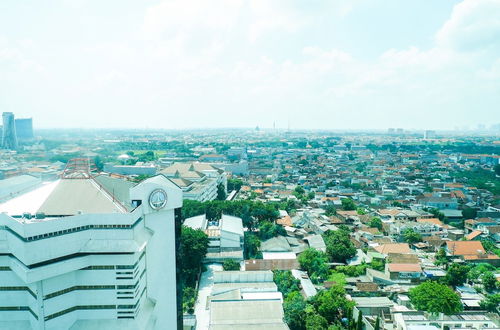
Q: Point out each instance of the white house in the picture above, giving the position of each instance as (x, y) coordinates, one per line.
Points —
(225, 236)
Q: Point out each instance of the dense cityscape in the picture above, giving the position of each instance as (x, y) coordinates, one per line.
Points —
(250, 165)
(248, 228)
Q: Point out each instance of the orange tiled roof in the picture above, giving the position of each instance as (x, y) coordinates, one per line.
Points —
(285, 221)
(435, 221)
(404, 267)
(462, 248)
(393, 248)
(473, 235)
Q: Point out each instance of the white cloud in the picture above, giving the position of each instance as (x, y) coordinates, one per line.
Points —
(473, 25)
(271, 15)
(170, 16)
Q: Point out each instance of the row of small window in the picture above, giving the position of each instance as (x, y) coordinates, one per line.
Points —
(89, 287)
(111, 267)
(18, 288)
(76, 308)
(69, 231)
(79, 287)
(89, 307)
(18, 308)
(4, 268)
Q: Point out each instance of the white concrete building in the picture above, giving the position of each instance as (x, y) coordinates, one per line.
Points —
(75, 256)
(225, 236)
(198, 181)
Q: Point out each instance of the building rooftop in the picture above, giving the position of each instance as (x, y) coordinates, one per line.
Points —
(393, 248)
(63, 198)
(460, 248)
(247, 314)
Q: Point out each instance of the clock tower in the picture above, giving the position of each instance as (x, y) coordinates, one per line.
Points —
(160, 201)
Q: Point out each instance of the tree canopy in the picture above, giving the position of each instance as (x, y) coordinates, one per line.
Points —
(214, 209)
(456, 274)
(339, 247)
(375, 222)
(193, 247)
(348, 204)
(435, 298)
(315, 263)
(230, 264)
(491, 303)
(411, 236)
(332, 304)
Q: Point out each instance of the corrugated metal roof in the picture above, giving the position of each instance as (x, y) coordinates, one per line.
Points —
(232, 224)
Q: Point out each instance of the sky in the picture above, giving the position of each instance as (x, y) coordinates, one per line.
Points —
(331, 64)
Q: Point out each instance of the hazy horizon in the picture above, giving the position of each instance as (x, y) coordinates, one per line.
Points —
(326, 65)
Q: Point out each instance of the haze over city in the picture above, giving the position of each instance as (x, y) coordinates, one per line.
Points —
(357, 64)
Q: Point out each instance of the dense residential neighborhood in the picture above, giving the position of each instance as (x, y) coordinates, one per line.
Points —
(311, 230)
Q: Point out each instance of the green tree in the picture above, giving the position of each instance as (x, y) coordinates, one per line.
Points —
(438, 214)
(315, 263)
(435, 298)
(411, 236)
(230, 264)
(377, 324)
(221, 192)
(193, 247)
(491, 303)
(234, 184)
(300, 190)
(456, 274)
(375, 222)
(332, 304)
(476, 272)
(294, 309)
(251, 244)
(469, 213)
(330, 210)
(339, 247)
(359, 322)
(496, 168)
(489, 281)
(316, 322)
(441, 258)
(269, 230)
(348, 204)
(490, 247)
(285, 282)
(189, 295)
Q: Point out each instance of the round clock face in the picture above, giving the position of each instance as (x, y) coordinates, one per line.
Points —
(158, 199)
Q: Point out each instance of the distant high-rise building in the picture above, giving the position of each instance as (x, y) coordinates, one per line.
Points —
(428, 134)
(24, 128)
(9, 138)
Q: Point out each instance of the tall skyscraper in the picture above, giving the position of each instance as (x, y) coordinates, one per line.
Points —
(24, 129)
(9, 138)
(91, 253)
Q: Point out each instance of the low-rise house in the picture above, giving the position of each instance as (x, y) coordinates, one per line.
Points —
(404, 272)
(225, 236)
(316, 242)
